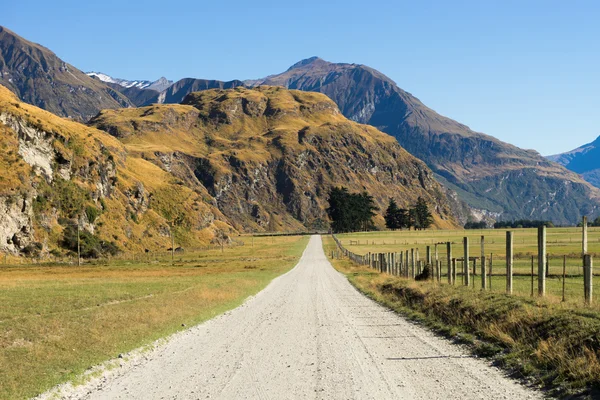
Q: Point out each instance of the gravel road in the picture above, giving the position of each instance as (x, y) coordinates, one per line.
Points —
(308, 335)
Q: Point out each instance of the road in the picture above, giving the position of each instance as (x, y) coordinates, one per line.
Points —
(308, 335)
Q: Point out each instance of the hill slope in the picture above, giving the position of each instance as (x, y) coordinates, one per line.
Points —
(494, 177)
(40, 78)
(584, 160)
(56, 173)
(269, 156)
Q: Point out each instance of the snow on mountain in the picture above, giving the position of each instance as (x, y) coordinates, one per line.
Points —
(158, 85)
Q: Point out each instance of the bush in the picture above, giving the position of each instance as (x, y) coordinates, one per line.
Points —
(92, 214)
(91, 245)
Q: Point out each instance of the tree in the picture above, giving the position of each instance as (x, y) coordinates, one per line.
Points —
(423, 217)
(350, 212)
(391, 215)
(396, 217)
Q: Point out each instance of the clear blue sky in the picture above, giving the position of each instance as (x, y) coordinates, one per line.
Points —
(523, 71)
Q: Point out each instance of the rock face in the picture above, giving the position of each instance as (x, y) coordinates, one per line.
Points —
(584, 160)
(56, 173)
(269, 156)
(494, 177)
(40, 78)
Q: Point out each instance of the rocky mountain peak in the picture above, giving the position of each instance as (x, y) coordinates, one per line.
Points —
(311, 61)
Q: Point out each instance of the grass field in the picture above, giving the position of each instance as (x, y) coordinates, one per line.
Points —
(555, 345)
(561, 242)
(56, 321)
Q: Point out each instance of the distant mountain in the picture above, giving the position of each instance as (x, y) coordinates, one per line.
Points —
(37, 76)
(269, 156)
(584, 160)
(158, 85)
(495, 178)
(180, 89)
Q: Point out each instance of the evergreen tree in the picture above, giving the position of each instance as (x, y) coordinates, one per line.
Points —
(350, 212)
(423, 217)
(396, 217)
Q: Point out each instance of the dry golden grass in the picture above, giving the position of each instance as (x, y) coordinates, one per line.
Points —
(56, 321)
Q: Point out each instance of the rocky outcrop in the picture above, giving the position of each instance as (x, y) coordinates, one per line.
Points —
(16, 223)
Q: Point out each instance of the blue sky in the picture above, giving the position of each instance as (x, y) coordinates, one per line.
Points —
(523, 71)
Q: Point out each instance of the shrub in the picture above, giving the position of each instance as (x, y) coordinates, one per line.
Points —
(92, 213)
(91, 245)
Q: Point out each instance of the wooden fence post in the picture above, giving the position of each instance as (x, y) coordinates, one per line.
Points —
(466, 261)
(453, 271)
(483, 271)
(587, 278)
(449, 260)
(412, 263)
(542, 260)
(564, 276)
(491, 269)
(428, 255)
(584, 236)
(509, 262)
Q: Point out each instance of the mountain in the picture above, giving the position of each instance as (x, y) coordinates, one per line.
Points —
(158, 85)
(584, 160)
(40, 78)
(269, 156)
(495, 178)
(56, 173)
(225, 161)
(174, 93)
(180, 89)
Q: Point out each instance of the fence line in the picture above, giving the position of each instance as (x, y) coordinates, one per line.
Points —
(406, 264)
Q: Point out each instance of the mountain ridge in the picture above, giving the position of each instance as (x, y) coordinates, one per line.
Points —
(491, 175)
(39, 77)
(583, 160)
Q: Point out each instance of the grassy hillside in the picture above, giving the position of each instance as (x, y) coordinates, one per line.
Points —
(58, 174)
(268, 156)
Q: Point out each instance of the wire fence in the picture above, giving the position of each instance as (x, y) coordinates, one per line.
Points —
(567, 277)
(147, 256)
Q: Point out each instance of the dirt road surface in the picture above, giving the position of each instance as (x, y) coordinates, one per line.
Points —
(308, 335)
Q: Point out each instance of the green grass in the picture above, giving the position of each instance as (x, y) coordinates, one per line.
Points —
(554, 345)
(56, 321)
(561, 242)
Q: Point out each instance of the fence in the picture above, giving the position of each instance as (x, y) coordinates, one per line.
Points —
(568, 277)
(150, 256)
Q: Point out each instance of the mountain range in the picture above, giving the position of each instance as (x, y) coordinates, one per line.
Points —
(498, 181)
(158, 85)
(584, 160)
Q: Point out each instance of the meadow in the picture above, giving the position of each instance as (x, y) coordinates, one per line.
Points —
(57, 320)
(564, 245)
